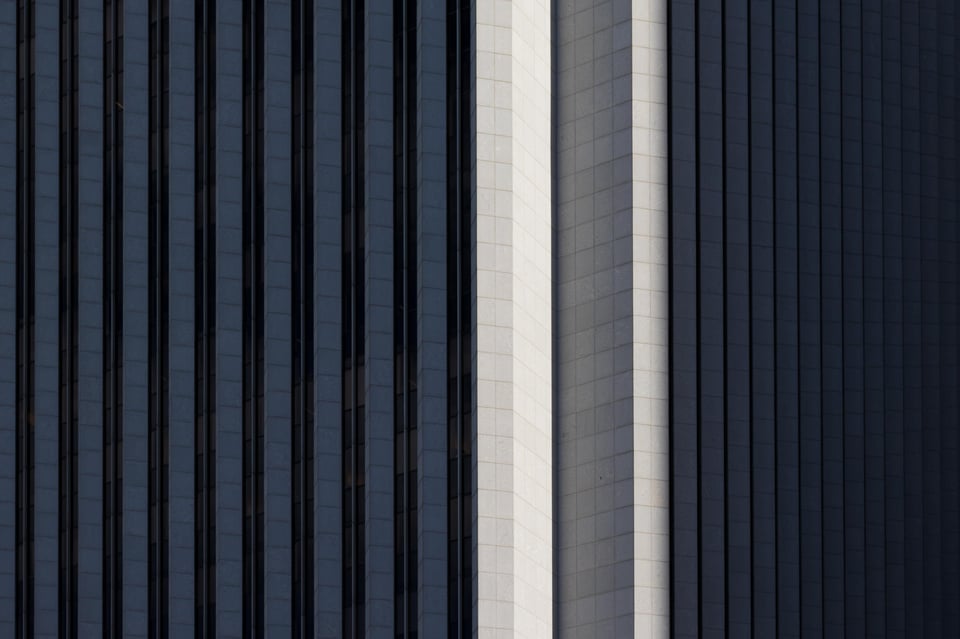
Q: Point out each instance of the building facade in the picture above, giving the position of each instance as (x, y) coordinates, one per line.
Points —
(443, 318)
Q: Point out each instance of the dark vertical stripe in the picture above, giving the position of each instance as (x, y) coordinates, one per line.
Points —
(25, 319)
(302, 316)
(112, 320)
(253, 318)
(204, 321)
(405, 316)
(353, 320)
(158, 316)
(459, 321)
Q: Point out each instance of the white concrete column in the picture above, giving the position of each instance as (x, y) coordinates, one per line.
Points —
(513, 446)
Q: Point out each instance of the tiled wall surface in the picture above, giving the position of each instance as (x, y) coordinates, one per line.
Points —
(513, 321)
(611, 358)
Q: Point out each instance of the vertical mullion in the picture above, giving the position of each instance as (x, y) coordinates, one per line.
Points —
(204, 321)
(459, 321)
(404, 341)
(353, 316)
(158, 316)
(249, 323)
(67, 265)
(24, 320)
(113, 202)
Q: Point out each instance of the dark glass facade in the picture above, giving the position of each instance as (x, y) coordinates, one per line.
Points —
(813, 318)
(405, 316)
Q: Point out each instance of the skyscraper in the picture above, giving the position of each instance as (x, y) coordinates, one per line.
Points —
(443, 318)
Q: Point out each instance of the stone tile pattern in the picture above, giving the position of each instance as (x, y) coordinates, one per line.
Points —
(513, 458)
(650, 296)
(611, 356)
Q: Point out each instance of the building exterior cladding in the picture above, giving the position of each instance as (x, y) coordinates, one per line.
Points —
(442, 318)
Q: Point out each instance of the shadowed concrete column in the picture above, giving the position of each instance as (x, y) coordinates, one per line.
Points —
(611, 348)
